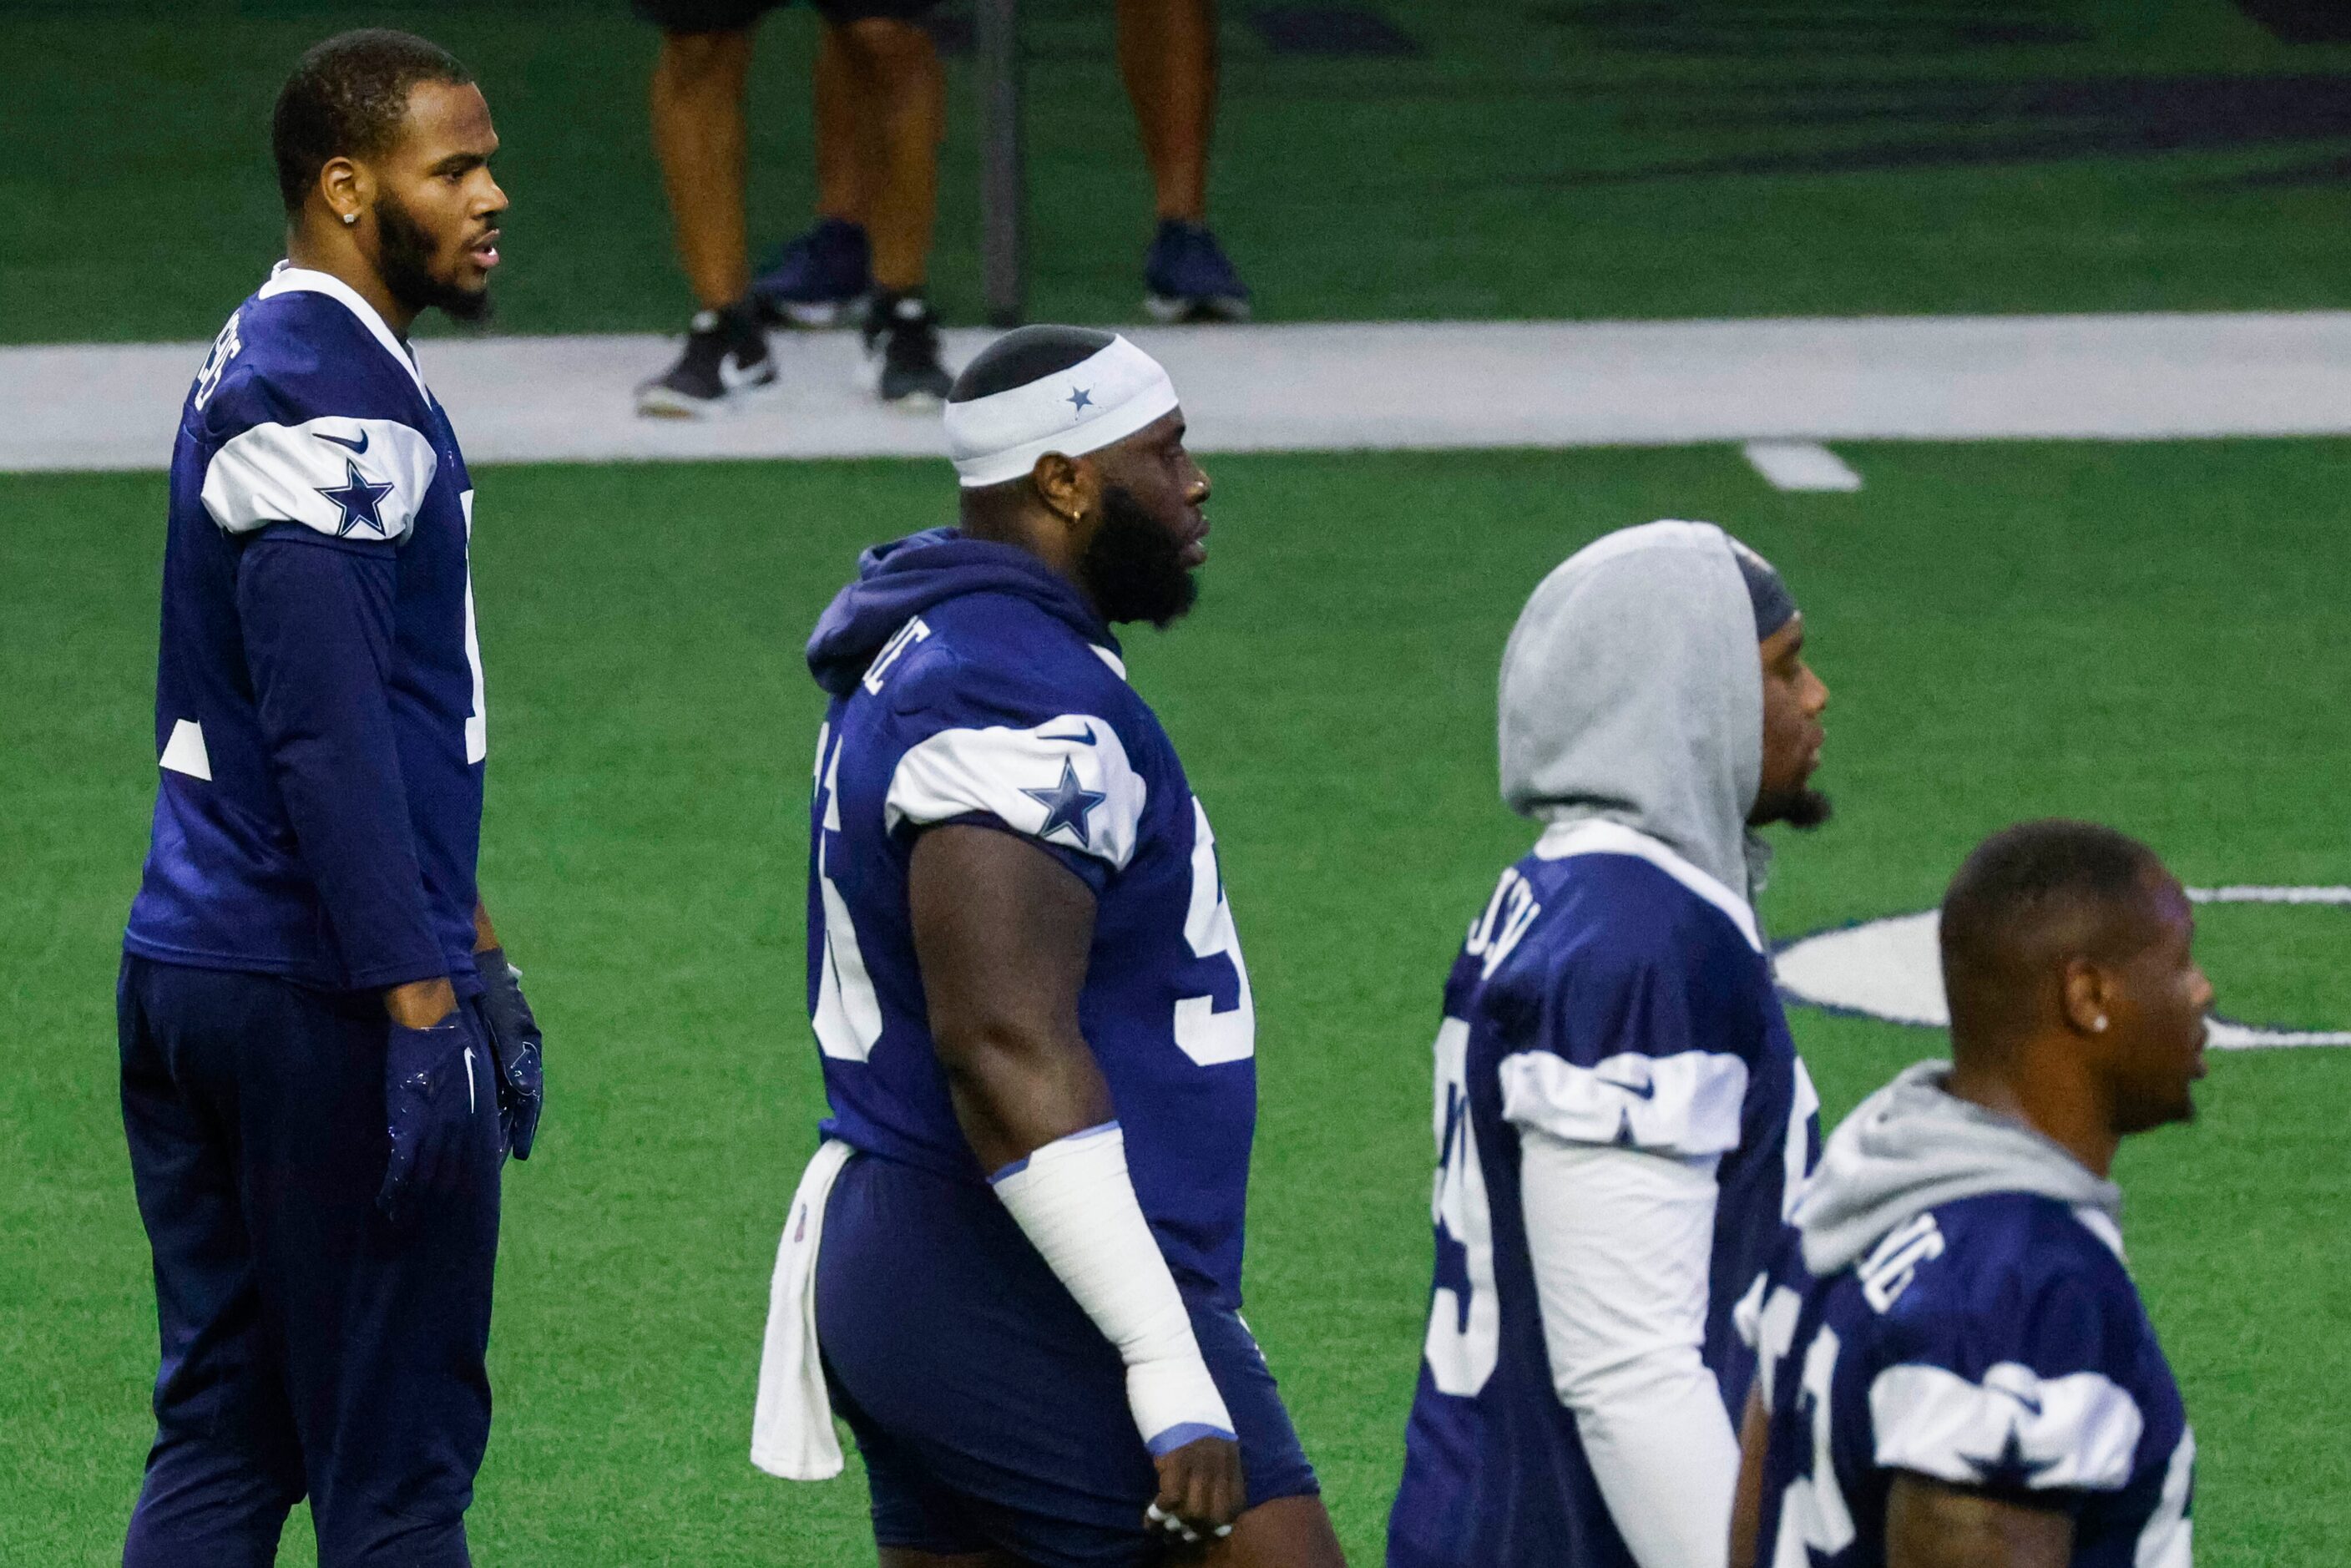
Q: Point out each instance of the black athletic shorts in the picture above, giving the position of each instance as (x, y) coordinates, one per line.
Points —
(737, 15)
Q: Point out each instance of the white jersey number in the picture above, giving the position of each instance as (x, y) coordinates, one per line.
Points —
(1465, 1336)
(848, 1013)
(1204, 1034)
(1812, 1513)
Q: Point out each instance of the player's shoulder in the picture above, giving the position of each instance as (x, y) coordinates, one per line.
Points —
(1608, 929)
(291, 355)
(304, 416)
(1000, 658)
(2010, 1347)
(2006, 1274)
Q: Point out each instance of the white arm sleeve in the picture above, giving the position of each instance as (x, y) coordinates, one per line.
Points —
(1074, 1201)
(1621, 1242)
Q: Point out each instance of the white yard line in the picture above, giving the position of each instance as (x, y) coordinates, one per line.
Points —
(1799, 465)
(1370, 385)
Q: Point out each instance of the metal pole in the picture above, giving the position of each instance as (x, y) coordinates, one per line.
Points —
(997, 41)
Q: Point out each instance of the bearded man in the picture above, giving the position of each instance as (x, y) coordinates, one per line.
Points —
(1014, 1266)
(325, 1054)
(1621, 1119)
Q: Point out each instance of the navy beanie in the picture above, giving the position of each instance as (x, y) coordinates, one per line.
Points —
(1767, 594)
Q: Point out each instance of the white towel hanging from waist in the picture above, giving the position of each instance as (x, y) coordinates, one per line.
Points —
(792, 1431)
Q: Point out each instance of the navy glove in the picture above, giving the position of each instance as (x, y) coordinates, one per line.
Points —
(431, 1096)
(514, 1040)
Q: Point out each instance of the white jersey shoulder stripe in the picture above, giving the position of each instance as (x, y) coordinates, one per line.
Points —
(2075, 1432)
(1066, 781)
(349, 478)
(1688, 1104)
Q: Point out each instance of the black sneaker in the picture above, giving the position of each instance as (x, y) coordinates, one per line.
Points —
(902, 352)
(725, 359)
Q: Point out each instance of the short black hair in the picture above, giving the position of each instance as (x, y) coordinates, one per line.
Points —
(347, 98)
(1026, 354)
(2024, 888)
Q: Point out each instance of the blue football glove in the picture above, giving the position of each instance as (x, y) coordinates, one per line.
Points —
(430, 1097)
(516, 1041)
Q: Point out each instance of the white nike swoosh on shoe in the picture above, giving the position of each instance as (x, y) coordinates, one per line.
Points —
(737, 376)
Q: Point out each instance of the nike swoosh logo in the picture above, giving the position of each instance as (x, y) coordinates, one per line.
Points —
(359, 445)
(1084, 737)
(469, 1081)
(1637, 1090)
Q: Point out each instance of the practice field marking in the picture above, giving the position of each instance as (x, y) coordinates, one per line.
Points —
(1889, 968)
(1800, 465)
(1392, 385)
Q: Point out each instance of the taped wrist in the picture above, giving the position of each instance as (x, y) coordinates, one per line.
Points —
(1074, 1201)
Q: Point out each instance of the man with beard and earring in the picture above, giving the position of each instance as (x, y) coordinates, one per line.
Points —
(1621, 1117)
(1014, 1265)
(1955, 1368)
(325, 1054)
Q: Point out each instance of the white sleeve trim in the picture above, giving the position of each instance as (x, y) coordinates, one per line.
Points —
(1621, 1243)
(2077, 1432)
(348, 479)
(1686, 1103)
(1066, 781)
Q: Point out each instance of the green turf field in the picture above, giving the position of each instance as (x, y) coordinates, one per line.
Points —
(1542, 158)
(2147, 634)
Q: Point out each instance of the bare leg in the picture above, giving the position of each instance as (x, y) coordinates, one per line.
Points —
(1167, 57)
(841, 190)
(900, 92)
(697, 113)
(1288, 1532)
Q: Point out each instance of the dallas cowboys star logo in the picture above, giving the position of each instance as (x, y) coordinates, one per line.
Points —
(359, 500)
(1080, 400)
(1066, 805)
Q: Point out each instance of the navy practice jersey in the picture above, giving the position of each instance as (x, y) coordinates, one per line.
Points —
(319, 712)
(1612, 993)
(1993, 1341)
(1002, 702)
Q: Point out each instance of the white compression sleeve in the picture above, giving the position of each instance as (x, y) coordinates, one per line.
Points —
(1074, 1201)
(1621, 1240)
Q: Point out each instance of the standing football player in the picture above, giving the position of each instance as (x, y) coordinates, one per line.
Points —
(1621, 1116)
(1955, 1370)
(325, 1055)
(1037, 1029)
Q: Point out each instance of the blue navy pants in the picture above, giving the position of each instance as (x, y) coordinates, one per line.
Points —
(989, 1411)
(310, 1347)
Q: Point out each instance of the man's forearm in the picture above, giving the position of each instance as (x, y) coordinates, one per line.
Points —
(316, 626)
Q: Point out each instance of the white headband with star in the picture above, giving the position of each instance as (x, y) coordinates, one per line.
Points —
(1101, 399)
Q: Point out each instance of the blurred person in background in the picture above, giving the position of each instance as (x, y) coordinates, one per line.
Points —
(1168, 57)
(881, 106)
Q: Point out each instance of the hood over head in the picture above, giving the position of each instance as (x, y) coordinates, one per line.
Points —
(1632, 692)
(898, 580)
(1912, 1147)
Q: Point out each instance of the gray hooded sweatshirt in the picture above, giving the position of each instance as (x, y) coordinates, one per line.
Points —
(1631, 692)
(1911, 1147)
